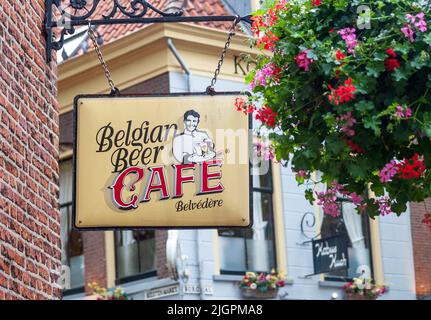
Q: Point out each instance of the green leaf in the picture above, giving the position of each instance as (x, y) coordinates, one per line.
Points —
(399, 208)
(364, 106)
(399, 75)
(334, 145)
(327, 68)
(375, 68)
(374, 124)
(309, 195)
(427, 39)
(357, 171)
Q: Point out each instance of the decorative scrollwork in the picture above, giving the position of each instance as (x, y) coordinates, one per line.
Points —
(58, 44)
(84, 9)
(72, 13)
(308, 223)
(78, 4)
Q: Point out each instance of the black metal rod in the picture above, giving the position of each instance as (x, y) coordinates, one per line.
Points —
(54, 24)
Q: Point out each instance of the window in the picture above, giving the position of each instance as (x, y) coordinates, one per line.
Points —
(135, 254)
(71, 240)
(357, 228)
(251, 249)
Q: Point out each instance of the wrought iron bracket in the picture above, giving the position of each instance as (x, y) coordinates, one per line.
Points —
(69, 14)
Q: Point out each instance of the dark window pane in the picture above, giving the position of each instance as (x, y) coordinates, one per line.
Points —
(72, 253)
(264, 180)
(356, 227)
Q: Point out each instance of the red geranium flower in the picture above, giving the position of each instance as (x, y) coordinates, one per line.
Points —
(411, 168)
(343, 93)
(245, 106)
(268, 41)
(354, 147)
(339, 55)
(315, 3)
(266, 116)
(391, 52)
(391, 63)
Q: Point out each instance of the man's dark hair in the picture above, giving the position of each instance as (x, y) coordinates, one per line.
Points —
(191, 113)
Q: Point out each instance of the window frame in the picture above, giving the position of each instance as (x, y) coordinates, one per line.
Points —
(369, 239)
(138, 276)
(267, 190)
(79, 289)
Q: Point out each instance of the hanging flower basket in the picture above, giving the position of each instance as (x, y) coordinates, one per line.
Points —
(348, 96)
(258, 294)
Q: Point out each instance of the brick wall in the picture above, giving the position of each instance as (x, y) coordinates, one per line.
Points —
(29, 213)
(421, 236)
(94, 258)
(162, 269)
(159, 84)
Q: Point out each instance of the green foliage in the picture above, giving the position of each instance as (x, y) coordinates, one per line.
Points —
(310, 132)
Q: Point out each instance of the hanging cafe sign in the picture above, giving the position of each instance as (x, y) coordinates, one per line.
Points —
(178, 161)
(161, 161)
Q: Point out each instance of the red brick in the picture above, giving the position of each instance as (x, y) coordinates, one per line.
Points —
(28, 145)
(421, 237)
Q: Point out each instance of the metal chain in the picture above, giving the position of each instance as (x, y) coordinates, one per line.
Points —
(114, 89)
(210, 88)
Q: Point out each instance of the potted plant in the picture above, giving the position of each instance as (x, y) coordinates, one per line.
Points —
(262, 285)
(363, 289)
(101, 293)
(348, 95)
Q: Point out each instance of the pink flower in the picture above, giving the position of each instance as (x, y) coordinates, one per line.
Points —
(408, 33)
(328, 200)
(347, 122)
(301, 173)
(388, 172)
(357, 200)
(268, 74)
(418, 21)
(349, 37)
(280, 283)
(264, 151)
(384, 205)
(402, 112)
(303, 61)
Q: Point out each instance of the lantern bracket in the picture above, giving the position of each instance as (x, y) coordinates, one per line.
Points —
(64, 16)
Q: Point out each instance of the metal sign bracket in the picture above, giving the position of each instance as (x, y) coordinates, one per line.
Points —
(73, 13)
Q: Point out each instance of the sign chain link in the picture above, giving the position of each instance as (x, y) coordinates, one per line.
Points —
(114, 89)
(210, 89)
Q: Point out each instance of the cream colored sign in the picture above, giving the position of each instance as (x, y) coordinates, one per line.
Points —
(172, 161)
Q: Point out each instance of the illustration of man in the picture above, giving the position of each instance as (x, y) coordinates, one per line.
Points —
(192, 145)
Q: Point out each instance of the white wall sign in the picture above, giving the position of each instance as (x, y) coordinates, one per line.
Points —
(156, 293)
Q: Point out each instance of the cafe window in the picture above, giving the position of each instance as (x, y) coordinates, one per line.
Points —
(251, 249)
(135, 254)
(72, 254)
(357, 229)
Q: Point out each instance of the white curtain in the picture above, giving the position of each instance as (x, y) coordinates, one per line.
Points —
(258, 246)
(359, 254)
(127, 238)
(353, 222)
(259, 225)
